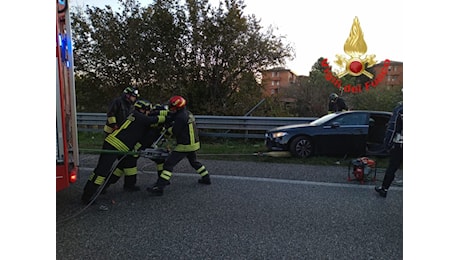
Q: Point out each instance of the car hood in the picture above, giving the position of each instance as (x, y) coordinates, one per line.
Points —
(287, 127)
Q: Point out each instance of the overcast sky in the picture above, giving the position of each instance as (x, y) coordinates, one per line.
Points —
(320, 28)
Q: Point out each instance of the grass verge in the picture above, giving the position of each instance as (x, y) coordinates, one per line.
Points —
(232, 149)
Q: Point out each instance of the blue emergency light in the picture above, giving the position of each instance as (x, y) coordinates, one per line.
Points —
(66, 47)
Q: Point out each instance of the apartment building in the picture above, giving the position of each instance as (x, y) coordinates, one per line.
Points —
(275, 79)
(394, 74)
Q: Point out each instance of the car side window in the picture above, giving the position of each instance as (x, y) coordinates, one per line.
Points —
(352, 119)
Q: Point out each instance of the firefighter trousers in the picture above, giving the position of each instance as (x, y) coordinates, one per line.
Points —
(127, 168)
(173, 160)
(101, 172)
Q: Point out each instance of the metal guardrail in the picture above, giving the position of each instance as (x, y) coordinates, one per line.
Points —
(251, 127)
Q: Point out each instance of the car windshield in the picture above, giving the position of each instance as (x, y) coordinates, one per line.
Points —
(323, 119)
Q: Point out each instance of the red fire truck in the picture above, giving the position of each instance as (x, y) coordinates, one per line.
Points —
(67, 159)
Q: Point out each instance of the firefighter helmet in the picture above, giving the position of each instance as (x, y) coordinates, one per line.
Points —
(333, 96)
(177, 103)
(133, 91)
(143, 104)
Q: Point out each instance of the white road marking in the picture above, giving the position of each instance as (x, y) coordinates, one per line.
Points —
(230, 177)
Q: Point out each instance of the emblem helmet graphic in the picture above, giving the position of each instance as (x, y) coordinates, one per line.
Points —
(355, 47)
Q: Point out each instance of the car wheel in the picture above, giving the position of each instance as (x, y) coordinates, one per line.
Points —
(301, 147)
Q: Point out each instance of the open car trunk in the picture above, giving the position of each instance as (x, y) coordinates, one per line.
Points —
(376, 134)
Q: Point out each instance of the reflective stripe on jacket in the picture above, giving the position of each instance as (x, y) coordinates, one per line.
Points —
(132, 131)
(118, 110)
(185, 130)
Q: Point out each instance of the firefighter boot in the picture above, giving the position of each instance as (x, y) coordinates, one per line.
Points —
(130, 183)
(88, 192)
(205, 180)
(381, 191)
(158, 187)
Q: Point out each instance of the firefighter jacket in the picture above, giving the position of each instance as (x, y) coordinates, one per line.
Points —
(119, 109)
(156, 129)
(132, 131)
(185, 130)
(394, 132)
(337, 106)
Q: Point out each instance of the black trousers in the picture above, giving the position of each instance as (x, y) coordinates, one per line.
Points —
(128, 164)
(396, 159)
(101, 172)
(173, 160)
(106, 160)
(176, 157)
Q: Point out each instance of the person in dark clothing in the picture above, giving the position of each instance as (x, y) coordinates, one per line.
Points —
(394, 143)
(128, 166)
(122, 140)
(118, 111)
(187, 143)
(336, 104)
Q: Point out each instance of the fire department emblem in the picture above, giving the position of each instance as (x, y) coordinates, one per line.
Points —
(356, 48)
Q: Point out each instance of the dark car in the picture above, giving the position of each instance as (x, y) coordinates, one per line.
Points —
(357, 132)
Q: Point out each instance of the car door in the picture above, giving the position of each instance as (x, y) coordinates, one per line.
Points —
(359, 129)
(378, 123)
(344, 134)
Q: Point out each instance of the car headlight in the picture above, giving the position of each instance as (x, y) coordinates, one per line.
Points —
(278, 134)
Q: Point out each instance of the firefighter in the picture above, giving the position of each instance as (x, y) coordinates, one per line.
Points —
(187, 143)
(122, 140)
(336, 104)
(394, 143)
(119, 109)
(128, 166)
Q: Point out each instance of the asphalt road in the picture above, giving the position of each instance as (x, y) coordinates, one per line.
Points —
(252, 210)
